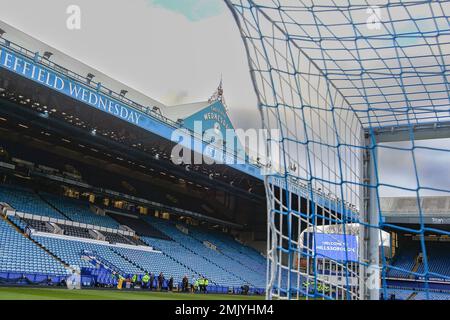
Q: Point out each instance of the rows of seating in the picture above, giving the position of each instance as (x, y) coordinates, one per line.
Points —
(70, 251)
(127, 260)
(195, 263)
(76, 232)
(396, 294)
(155, 262)
(182, 254)
(438, 260)
(215, 266)
(35, 224)
(79, 211)
(242, 271)
(25, 200)
(242, 260)
(421, 295)
(19, 254)
(196, 256)
(119, 238)
(404, 261)
(409, 294)
(248, 257)
(141, 227)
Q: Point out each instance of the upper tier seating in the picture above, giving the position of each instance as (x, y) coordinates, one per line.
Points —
(141, 227)
(75, 231)
(27, 201)
(19, 254)
(79, 211)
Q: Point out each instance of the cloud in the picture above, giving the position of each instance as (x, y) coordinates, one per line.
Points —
(193, 10)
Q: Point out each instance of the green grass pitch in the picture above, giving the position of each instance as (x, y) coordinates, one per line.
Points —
(7, 293)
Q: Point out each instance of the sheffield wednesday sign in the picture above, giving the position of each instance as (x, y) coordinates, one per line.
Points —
(27, 68)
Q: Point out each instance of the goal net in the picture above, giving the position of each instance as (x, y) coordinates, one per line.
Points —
(355, 90)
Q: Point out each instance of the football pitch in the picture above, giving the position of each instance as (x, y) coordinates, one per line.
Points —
(90, 294)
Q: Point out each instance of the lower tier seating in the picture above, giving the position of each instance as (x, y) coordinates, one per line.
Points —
(70, 251)
(210, 263)
(232, 264)
(409, 294)
(438, 260)
(155, 263)
(19, 254)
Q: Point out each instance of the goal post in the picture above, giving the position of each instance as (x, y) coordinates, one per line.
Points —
(341, 80)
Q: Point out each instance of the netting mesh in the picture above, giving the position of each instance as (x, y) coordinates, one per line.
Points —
(348, 84)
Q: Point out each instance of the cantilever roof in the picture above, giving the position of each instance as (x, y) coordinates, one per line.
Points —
(410, 205)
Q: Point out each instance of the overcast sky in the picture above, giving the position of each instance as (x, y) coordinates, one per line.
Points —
(175, 51)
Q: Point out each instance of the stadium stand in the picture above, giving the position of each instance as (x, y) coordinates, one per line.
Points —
(23, 223)
(154, 262)
(404, 260)
(79, 211)
(438, 259)
(76, 232)
(20, 255)
(408, 260)
(119, 238)
(195, 262)
(27, 201)
(70, 251)
(398, 294)
(439, 296)
(230, 265)
(408, 294)
(141, 227)
(229, 247)
(205, 261)
(421, 295)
